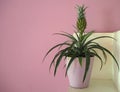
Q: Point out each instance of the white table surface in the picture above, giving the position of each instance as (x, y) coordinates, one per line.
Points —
(97, 86)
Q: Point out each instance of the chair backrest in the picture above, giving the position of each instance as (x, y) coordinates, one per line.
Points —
(116, 45)
(107, 70)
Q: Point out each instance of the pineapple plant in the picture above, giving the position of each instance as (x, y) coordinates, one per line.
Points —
(79, 47)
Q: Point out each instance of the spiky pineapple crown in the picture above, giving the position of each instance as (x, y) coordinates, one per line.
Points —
(81, 20)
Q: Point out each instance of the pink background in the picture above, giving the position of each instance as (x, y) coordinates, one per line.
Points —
(26, 28)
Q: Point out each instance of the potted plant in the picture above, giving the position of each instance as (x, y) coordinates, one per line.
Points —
(79, 52)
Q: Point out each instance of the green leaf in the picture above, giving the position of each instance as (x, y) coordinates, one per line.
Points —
(95, 54)
(58, 45)
(87, 64)
(112, 56)
(70, 62)
(106, 50)
(78, 36)
(93, 51)
(64, 44)
(60, 56)
(80, 60)
(100, 48)
(67, 35)
(89, 42)
(86, 36)
(58, 62)
(55, 57)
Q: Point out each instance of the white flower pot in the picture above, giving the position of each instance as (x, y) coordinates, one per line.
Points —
(76, 73)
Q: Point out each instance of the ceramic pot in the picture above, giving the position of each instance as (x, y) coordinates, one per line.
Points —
(76, 73)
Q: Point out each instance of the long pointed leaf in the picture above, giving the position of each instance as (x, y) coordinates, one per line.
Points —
(87, 64)
(100, 48)
(58, 62)
(80, 60)
(70, 62)
(86, 36)
(112, 56)
(94, 54)
(67, 35)
(54, 60)
(62, 53)
(61, 44)
(89, 42)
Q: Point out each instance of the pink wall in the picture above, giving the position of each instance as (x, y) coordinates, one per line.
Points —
(26, 28)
